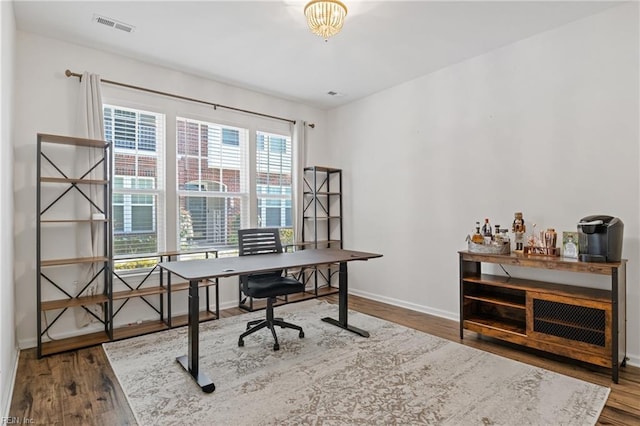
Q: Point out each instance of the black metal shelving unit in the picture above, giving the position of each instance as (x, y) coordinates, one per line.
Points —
(64, 185)
(322, 221)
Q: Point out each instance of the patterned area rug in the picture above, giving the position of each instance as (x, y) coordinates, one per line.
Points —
(334, 377)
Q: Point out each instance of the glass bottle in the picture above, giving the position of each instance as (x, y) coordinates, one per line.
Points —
(477, 237)
(486, 228)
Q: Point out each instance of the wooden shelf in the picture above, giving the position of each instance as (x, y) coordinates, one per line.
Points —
(73, 220)
(146, 327)
(69, 140)
(578, 322)
(292, 298)
(533, 285)
(146, 291)
(553, 263)
(73, 343)
(321, 193)
(501, 325)
(502, 300)
(202, 251)
(51, 305)
(74, 180)
(183, 320)
(185, 285)
(56, 170)
(322, 217)
(323, 169)
(311, 243)
(574, 325)
(74, 261)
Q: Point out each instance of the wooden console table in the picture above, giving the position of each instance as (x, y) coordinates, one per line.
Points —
(577, 322)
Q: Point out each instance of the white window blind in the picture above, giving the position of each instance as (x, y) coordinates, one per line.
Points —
(138, 141)
(273, 182)
(212, 183)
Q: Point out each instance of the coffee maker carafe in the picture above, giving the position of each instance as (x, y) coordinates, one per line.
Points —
(600, 239)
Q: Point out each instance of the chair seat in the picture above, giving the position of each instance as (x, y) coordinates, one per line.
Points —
(273, 286)
(268, 285)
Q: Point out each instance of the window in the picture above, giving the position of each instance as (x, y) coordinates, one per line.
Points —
(137, 139)
(273, 182)
(227, 177)
(212, 183)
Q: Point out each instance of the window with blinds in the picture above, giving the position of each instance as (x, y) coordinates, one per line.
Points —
(137, 139)
(273, 182)
(213, 190)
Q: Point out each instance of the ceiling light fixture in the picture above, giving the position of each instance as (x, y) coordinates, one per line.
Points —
(325, 17)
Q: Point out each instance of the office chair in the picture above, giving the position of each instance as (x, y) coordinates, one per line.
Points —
(268, 285)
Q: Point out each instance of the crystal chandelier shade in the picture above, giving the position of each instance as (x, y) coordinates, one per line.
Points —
(325, 18)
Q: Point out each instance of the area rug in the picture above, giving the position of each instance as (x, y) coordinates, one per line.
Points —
(397, 376)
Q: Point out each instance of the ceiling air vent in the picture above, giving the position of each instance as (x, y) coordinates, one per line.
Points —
(113, 23)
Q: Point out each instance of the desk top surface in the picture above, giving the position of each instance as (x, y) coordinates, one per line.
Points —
(240, 265)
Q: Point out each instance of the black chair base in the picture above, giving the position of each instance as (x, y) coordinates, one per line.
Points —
(270, 322)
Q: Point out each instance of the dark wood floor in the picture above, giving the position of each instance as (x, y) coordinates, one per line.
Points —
(79, 387)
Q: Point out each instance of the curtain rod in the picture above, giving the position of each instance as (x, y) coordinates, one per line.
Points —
(68, 73)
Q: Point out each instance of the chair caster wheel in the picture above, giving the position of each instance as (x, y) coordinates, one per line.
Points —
(301, 335)
(276, 347)
(240, 342)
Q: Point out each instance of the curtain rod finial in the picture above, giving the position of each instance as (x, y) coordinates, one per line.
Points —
(68, 73)
(312, 125)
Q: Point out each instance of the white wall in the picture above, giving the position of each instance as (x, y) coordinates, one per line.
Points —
(547, 126)
(8, 348)
(46, 103)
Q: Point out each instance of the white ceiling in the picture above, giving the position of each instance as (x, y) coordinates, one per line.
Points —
(266, 46)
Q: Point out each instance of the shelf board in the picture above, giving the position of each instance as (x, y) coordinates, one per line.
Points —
(73, 261)
(540, 286)
(502, 300)
(296, 297)
(72, 343)
(141, 292)
(203, 250)
(51, 305)
(69, 140)
(305, 244)
(321, 217)
(497, 324)
(185, 285)
(322, 193)
(322, 169)
(555, 263)
(146, 327)
(73, 220)
(74, 180)
(182, 320)
(573, 325)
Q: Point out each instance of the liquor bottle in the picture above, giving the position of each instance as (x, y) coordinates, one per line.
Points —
(477, 237)
(486, 228)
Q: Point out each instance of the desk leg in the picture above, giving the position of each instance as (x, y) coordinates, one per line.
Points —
(190, 363)
(614, 329)
(343, 291)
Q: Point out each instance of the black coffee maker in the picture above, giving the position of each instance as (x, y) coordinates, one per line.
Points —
(600, 239)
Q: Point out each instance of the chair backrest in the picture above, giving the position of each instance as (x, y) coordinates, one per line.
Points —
(259, 241)
(256, 241)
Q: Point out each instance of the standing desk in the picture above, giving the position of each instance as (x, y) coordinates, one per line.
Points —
(195, 271)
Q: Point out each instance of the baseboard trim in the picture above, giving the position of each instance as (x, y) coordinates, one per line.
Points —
(6, 406)
(454, 316)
